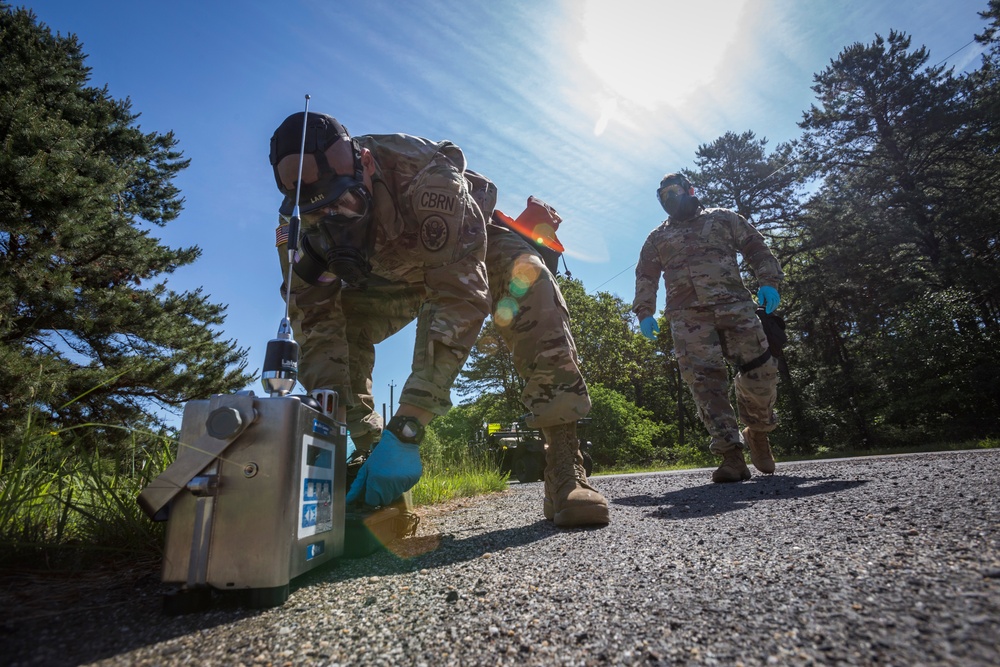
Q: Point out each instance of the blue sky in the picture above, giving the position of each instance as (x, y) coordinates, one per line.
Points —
(583, 104)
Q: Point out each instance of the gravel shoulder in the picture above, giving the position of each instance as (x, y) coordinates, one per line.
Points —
(880, 560)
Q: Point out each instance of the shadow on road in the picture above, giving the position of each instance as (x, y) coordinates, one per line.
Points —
(713, 499)
(432, 551)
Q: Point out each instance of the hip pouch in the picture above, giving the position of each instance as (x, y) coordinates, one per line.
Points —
(774, 330)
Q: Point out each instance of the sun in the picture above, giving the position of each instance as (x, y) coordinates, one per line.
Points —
(653, 53)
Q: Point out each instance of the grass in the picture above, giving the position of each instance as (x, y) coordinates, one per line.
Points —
(65, 511)
(441, 482)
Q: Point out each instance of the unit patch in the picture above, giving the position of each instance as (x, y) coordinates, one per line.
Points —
(434, 233)
(436, 201)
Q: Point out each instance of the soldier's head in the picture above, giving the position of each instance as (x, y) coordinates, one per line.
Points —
(332, 163)
(333, 196)
(676, 196)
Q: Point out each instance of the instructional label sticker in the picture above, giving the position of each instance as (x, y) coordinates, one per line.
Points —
(317, 504)
(316, 487)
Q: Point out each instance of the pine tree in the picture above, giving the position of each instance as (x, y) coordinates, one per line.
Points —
(90, 332)
(899, 265)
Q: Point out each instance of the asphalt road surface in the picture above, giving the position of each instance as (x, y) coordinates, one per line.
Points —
(871, 561)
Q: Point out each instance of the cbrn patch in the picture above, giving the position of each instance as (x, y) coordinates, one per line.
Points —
(431, 200)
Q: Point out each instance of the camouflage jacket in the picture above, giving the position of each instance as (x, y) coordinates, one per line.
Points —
(429, 233)
(697, 259)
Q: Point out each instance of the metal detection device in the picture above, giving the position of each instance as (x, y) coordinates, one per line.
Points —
(256, 494)
(254, 498)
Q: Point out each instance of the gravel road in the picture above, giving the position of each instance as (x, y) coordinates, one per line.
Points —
(869, 561)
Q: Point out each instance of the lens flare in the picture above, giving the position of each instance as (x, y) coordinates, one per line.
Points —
(506, 311)
(523, 276)
(543, 232)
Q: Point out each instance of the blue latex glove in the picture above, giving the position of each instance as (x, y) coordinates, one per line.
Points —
(768, 297)
(391, 470)
(649, 327)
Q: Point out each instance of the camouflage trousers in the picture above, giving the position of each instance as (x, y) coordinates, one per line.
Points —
(337, 328)
(533, 320)
(704, 340)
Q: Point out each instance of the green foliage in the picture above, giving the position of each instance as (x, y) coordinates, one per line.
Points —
(738, 173)
(611, 352)
(894, 285)
(31, 487)
(89, 330)
(68, 510)
(471, 477)
(490, 370)
(623, 433)
(453, 469)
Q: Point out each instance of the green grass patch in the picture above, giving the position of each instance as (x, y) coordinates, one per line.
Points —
(469, 477)
(64, 508)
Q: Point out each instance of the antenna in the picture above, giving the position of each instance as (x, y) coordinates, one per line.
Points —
(281, 358)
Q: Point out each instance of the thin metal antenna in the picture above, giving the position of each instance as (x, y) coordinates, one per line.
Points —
(281, 358)
(294, 223)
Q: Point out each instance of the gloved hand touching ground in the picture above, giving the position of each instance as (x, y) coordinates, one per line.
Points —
(392, 469)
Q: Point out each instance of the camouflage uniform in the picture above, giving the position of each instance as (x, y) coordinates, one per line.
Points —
(531, 315)
(712, 315)
(430, 245)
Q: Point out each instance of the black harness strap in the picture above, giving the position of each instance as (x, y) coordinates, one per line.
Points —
(756, 363)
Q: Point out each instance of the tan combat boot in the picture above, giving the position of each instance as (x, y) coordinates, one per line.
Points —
(760, 450)
(733, 468)
(569, 499)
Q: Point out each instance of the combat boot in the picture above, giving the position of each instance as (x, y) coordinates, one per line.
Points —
(760, 450)
(569, 499)
(733, 468)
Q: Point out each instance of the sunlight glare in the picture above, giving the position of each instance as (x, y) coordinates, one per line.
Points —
(655, 53)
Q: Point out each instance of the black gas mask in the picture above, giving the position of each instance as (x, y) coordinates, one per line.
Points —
(337, 210)
(337, 234)
(676, 197)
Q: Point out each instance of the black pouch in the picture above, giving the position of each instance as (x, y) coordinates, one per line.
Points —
(774, 329)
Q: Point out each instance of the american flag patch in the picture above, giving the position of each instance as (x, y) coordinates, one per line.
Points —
(280, 236)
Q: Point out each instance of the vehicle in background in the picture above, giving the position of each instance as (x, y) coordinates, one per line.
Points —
(519, 451)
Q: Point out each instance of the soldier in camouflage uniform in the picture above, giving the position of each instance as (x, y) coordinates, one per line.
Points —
(713, 320)
(417, 252)
(389, 234)
(531, 315)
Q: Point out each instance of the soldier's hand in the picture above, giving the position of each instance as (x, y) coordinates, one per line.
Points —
(768, 297)
(649, 327)
(391, 470)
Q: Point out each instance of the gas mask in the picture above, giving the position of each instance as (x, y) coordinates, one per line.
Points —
(677, 199)
(337, 235)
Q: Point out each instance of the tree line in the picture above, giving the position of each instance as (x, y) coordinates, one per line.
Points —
(881, 214)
